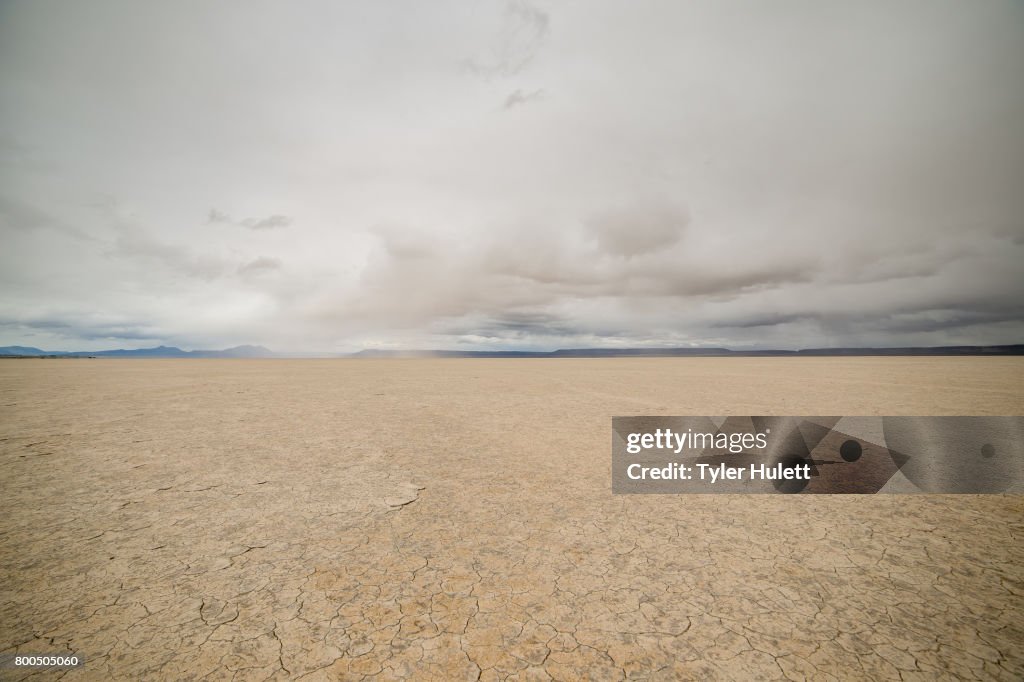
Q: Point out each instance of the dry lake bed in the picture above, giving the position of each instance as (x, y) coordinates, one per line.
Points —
(453, 519)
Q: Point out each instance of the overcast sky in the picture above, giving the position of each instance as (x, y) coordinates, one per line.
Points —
(533, 175)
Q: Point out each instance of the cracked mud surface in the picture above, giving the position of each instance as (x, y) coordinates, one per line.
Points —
(453, 519)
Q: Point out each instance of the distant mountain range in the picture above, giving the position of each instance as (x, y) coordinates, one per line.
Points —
(261, 352)
(158, 352)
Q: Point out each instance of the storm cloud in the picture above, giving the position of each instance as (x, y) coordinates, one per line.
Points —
(518, 175)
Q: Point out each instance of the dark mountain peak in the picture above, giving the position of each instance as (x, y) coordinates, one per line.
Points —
(21, 350)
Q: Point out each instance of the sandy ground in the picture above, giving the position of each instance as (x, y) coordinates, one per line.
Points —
(452, 519)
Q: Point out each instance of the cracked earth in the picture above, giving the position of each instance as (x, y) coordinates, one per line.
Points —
(452, 519)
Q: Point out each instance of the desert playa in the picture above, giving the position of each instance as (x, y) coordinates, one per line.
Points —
(453, 519)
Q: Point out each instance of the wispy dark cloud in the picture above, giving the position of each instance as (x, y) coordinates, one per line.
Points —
(260, 265)
(268, 223)
(523, 31)
(82, 325)
(518, 98)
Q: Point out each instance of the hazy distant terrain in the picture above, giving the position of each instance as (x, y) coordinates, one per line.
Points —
(261, 352)
(452, 519)
(156, 352)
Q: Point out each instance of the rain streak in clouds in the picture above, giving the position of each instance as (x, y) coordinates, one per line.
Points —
(513, 175)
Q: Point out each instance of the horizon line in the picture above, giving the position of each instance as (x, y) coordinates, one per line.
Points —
(256, 352)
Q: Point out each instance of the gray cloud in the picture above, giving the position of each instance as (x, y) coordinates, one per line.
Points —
(511, 326)
(524, 28)
(259, 265)
(799, 175)
(639, 229)
(930, 320)
(136, 243)
(269, 223)
(510, 279)
(16, 214)
(518, 98)
(69, 323)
